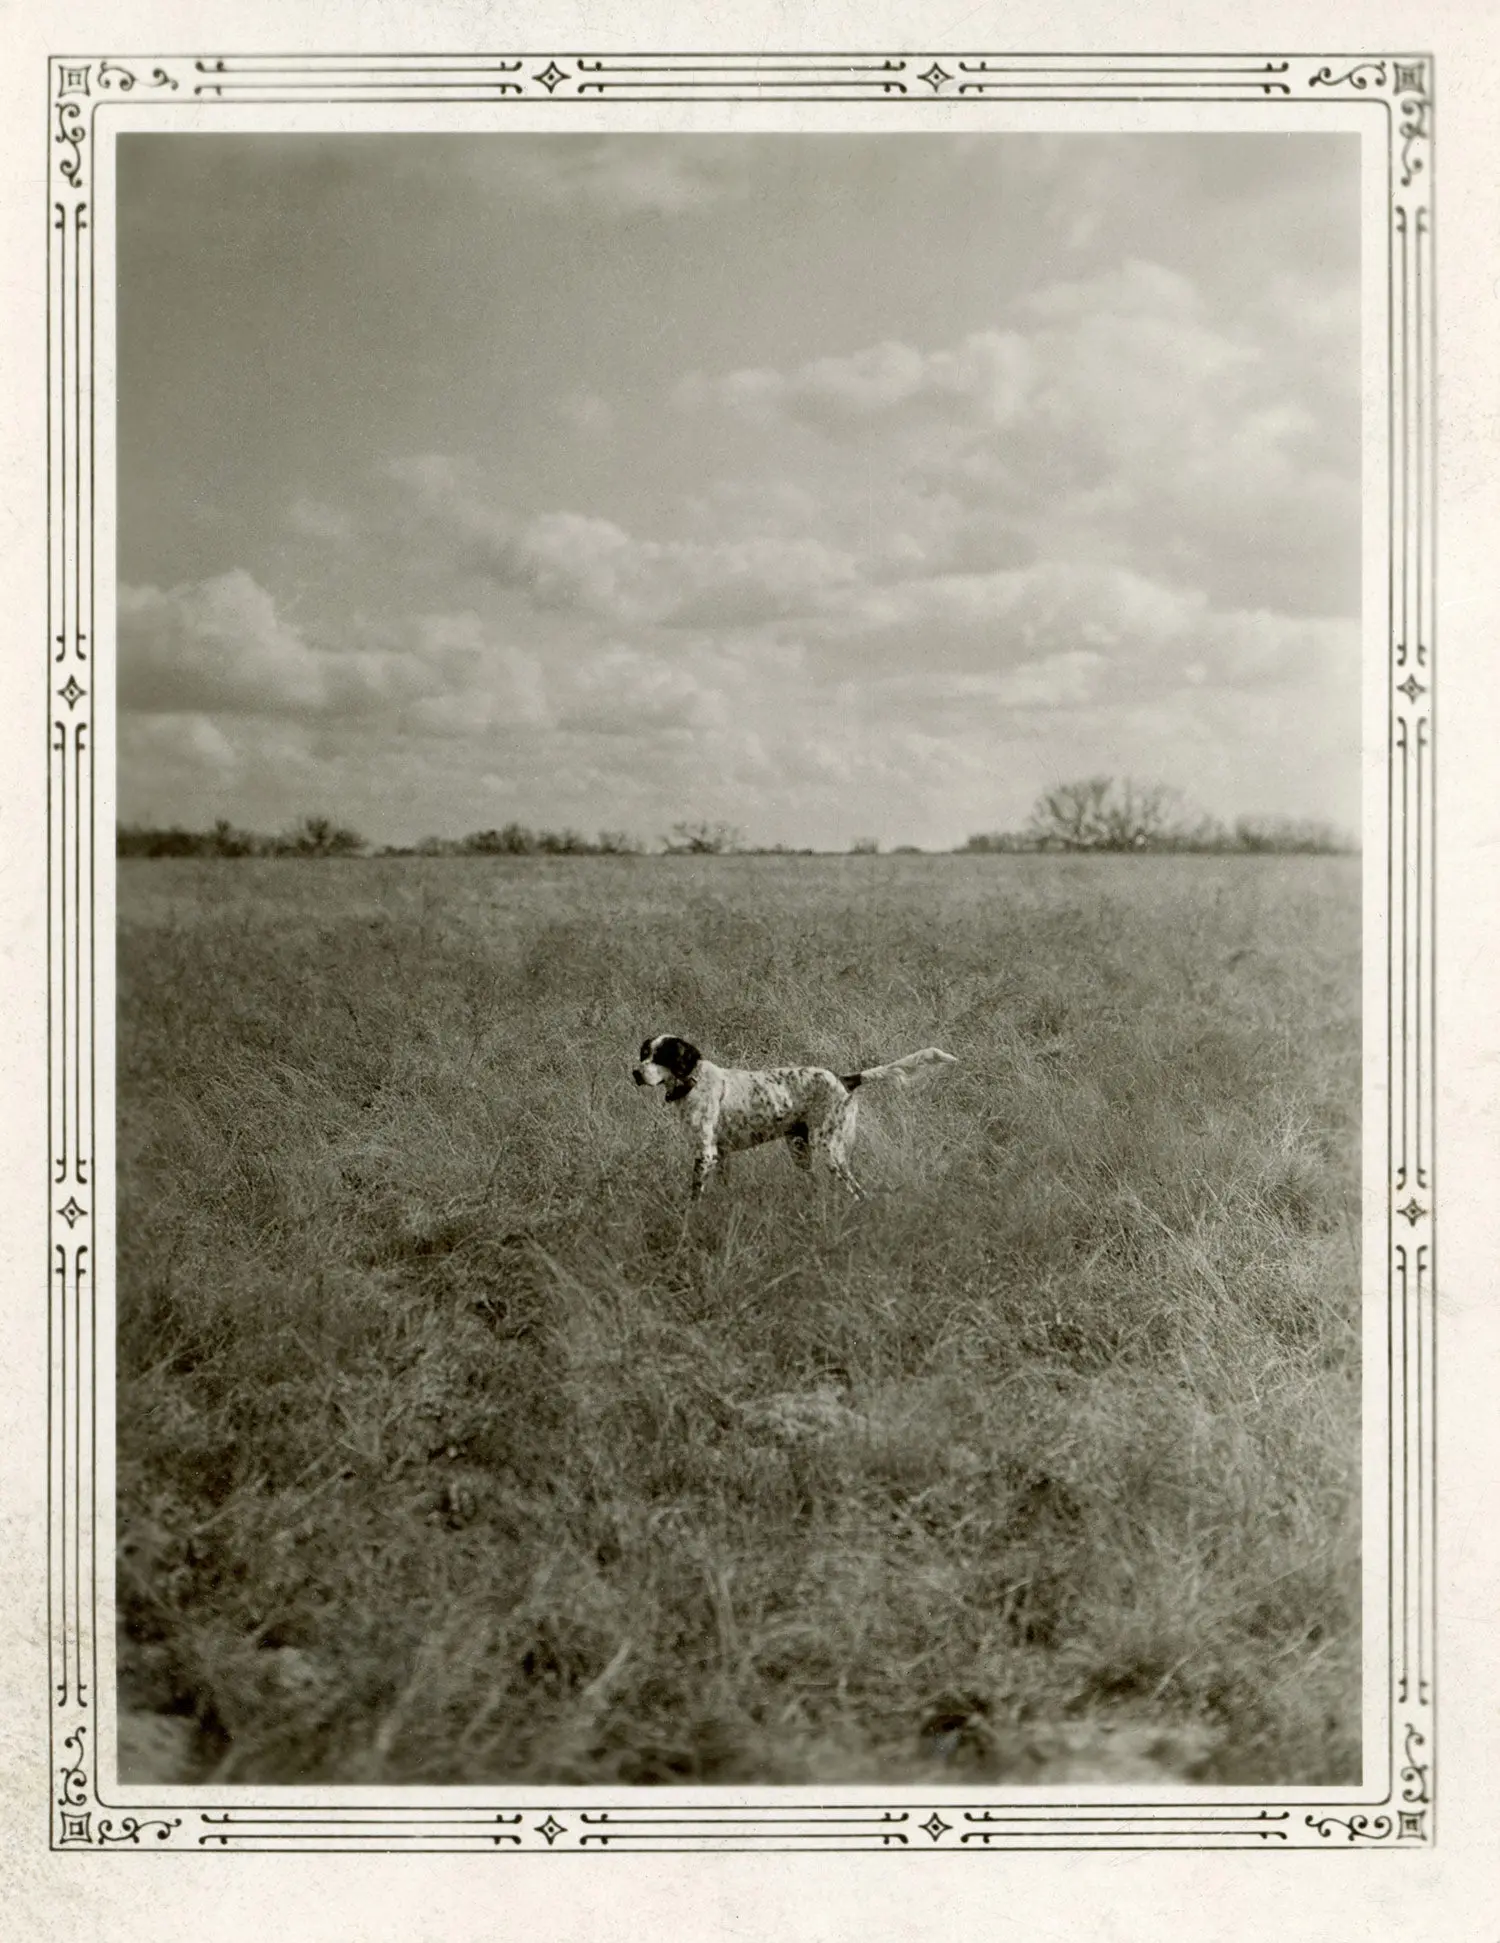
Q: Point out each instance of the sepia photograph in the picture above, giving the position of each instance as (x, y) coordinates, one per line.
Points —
(738, 1018)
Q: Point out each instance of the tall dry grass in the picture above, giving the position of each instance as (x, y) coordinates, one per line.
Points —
(454, 1446)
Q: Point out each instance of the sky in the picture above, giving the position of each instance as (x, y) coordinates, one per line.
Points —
(837, 487)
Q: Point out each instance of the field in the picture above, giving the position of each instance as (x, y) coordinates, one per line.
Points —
(455, 1446)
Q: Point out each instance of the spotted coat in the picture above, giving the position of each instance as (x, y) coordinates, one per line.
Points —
(730, 1108)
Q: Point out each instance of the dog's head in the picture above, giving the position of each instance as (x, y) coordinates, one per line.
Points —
(668, 1062)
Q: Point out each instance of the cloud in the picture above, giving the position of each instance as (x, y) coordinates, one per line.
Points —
(191, 768)
(1115, 416)
(1092, 629)
(219, 647)
(620, 175)
(315, 519)
(845, 730)
(1081, 627)
(1112, 419)
(207, 663)
(569, 560)
(629, 691)
(177, 746)
(984, 378)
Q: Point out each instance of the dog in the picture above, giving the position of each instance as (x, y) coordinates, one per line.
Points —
(730, 1108)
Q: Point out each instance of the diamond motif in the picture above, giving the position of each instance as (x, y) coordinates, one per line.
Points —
(935, 77)
(550, 76)
(1411, 688)
(1413, 1211)
(935, 1826)
(72, 1213)
(71, 693)
(551, 1828)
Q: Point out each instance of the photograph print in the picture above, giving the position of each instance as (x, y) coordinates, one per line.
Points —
(741, 934)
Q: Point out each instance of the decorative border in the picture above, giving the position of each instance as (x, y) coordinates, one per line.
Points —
(80, 92)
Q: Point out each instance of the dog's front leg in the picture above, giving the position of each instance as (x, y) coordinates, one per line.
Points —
(704, 1167)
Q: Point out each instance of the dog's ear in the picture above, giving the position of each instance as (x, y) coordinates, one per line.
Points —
(677, 1056)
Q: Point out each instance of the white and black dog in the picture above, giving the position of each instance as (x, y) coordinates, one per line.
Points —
(730, 1108)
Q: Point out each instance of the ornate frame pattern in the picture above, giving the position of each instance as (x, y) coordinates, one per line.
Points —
(1398, 1809)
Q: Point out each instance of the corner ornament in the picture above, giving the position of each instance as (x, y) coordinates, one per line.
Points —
(1358, 1828)
(1414, 128)
(1363, 75)
(113, 78)
(71, 131)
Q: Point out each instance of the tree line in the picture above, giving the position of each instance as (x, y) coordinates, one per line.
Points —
(321, 836)
(1101, 813)
(1097, 814)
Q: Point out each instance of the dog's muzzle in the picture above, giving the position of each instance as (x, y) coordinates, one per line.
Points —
(638, 1076)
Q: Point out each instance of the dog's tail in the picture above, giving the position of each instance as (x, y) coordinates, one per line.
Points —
(902, 1071)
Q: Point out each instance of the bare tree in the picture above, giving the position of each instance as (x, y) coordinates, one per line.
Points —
(225, 840)
(704, 839)
(1072, 814)
(320, 836)
(1100, 813)
(1138, 815)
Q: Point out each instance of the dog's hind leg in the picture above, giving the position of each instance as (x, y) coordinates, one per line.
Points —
(832, 1145)
(840, 1168)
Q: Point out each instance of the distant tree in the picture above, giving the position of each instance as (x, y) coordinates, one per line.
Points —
(484, 843)
(320, 836)
(140, 840)
(1102, 814)
(1000, 840)
(1207, 833)
(704, 839)
(226, 841)
(1286, 834)
(865, 847)
(517, 840)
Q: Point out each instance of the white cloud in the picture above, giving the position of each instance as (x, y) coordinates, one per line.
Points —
(573, 560)
(1114, 417)
(985, 379)
(1134, 634)
(1079, 626)
(628, 691)
(616, 174)
(219, 647)
(177, 745)
(315, 519)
